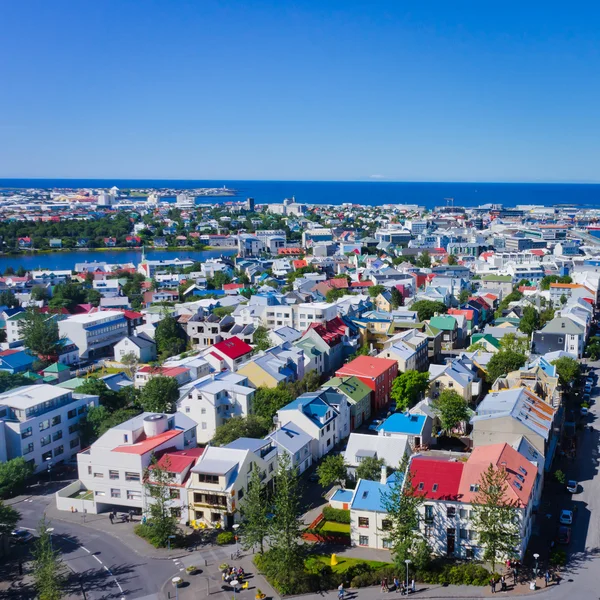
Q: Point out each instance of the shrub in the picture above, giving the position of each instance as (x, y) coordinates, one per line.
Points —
(225, 537)
(336, 514)
(558, 558)
(560, 476)
(147, 532)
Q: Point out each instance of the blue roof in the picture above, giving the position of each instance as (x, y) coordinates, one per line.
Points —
(102, 325)
(16, 360)
(403, 423)
(342, 496)
(369, 496)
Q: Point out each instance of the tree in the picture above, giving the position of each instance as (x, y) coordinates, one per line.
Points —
(9, 381)
(495, 516)
(334, 294)
(401, 503)
(424, 260)
(452, 410)
(514, 343)
(546, 315)
(13, 475)
(100, 419)
(254, 511)
(332, 470)
(452, 260)
(9, 518)
(157, 488)
(40, 333)
(222, 311)
(375, 290)
(530, 321)
(260, 339)
(267, 401)
(160, 394)
(568, 370)
(427, 308)
(93, 297)
(285, 526)
(370, 468)
(218, 280)
(7, 298)
(39, 293)
(408, 387)
(362, 351)
(234, 428)
(67, 295)
(131, 363)
(107, 397)
(593, 348)
(563, 299)
(503, 363)
(546, 281)
(47, 567)
(397, 298)
(463, 297)
(169, 337)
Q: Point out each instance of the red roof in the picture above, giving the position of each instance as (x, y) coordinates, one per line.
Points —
(436, 478)
(290, 251)
(299, 263)
(233, 347)
(163, 371)
(132, 314)
(537, 252)
(361, 284)
(331, 332)
(9, 352)
(340, 283)
(367, 366)
(176, 462)
(148, 444)
(468, 313)
(233, 286)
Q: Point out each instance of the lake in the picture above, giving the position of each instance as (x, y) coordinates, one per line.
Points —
(67, 260)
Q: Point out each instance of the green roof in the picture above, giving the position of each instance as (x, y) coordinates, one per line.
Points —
(72, 384)
(478, 337)
(32, 375)
(498, 278)
(56, 368)
(49, 378)
(17, 316)
(352, 387)
(444, 322)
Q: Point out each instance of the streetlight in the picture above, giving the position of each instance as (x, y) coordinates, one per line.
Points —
(50, 530)
(407, 561)
(234, 583)
(49, 459)
(171, 537)
(536, 556)
(236, 526)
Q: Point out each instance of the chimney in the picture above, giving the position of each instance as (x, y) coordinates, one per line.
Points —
(383, 479)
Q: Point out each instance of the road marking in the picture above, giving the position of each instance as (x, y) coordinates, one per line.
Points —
(107, 569)
(86, 549)
(97, 559)
(28, 528)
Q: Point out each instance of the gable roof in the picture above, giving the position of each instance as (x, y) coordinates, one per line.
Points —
(233, 347)
(367, 366)
(436, 478)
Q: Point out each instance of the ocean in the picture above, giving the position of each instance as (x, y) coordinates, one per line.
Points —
(370, 193)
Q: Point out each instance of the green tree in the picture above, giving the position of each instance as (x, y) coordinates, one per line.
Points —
(370, 468)
(9, 381)
(100, 419)
(169, 337)
(13, 475)
(530, 321)
(408, 387)
(222, 311)
(563, 299)
(362, 351)
(452, 410)
(593, 348)
(397, 299)
(261, 340)
(463, 297)
(131, 363)
(93, 297)
(67, 295)
(568, 370)
(375, 290)
(9, 518)
(47, 567)
(107, 397)
(495, 517)
(160, 394)
(157, 487)
(332, 470)
(40, 333)
(234, 428)
(254, 511)
(7, 298)
(334, 294)
(38, 293)
(424, 260)
(503, 363)
(285, 527)
(545, 316)
(427, 308)
(452, 260)
(267, 401)
(218, 280)
(514, 343)
(546, 281)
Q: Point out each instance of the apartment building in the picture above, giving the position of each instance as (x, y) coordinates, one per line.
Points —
(95, 334)
(314, 312)
(41, 424)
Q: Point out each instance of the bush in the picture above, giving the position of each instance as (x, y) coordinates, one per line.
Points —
(558, 558)
(147, 532)
(336, 514)
(225, 537)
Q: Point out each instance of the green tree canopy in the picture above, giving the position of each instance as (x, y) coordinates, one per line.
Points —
(332, 470)
(267, 401)
(427, 309)
(423, 260)
(13, 475)
(222, 311)
(530, 321)
(160, 394)
(254, 511)
(169, 337)
(40, 333)
(452, 410)
(8, 381)
(408, 387)
(514, 343)
(48, 575)
(107, 397)
(375, 290)
(234, 428)
(67, 295)
(370, 468)
(7, 298)
(9, 518)
(568, 371)
(100, 419)
(503, 363)
(334, 294)
(397, 299)
(452, 260)
(260, 339)
(548, 279)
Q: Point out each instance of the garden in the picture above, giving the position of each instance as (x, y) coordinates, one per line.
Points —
(332, 526)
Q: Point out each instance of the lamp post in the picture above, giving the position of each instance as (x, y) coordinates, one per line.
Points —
(236, 526)
(49, 460)
(536, 556)
(234, 583)
(407, 561)
(171, 537)
(50, 530)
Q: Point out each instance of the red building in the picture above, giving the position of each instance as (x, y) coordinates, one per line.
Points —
(377, 373)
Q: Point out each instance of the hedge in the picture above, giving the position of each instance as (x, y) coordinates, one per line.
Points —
(336, 514)
(225, 537)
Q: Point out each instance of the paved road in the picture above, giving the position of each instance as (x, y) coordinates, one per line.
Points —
(105, 567)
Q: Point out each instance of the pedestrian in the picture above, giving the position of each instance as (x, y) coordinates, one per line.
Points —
(20, 568)
(396, 585)
(413, 587)
(383, 585)
(493, 585)
(547, 577)
(112, 518)
(131, 515)
(515, 574)
(341, 591)
(503, 583)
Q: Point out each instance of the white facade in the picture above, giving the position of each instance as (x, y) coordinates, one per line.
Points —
(315, 312)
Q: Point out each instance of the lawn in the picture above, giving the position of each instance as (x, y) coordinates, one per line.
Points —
(83, 495)
(344, 563)
(333, 527)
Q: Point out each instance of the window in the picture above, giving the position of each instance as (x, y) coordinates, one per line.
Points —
(363, 521)
(74, 443)
(469, 553)
(435, 487)
(47, 456)
(474, 487)
(57, 435)
(241, 494)
(421, 486)
(26, 433)
(451, 511)
(125, 438)
(115, 493)
(187, 409)
(56, 420)
(428, 531)
(271, 465)
(72, 414)
(81, 410)
(99, 493)
(428, 513)
(58, 450)
(99, 475)
(363, 540)
(44, 425)
(202, 411)
(329, 427)
(131, 476)
(207, 478)
(113, 474)
(463, 513)
(203, 424)
(133, 495)
(27, 449)
(387, 543)
(174, 494)
(89, 470)
(73, 428)
(464, 534)
(45, 441)
(386, 524)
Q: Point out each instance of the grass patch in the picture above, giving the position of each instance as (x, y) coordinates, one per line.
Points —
(344, 563)
(83, 495)
(333, 527)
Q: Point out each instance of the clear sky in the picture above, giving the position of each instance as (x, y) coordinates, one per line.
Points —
(322, 89)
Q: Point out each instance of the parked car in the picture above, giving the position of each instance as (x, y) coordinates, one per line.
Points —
(588, 388)
(572, 486)
(21, 536)
(564, 534)
(566, 517)
(375, 424)
(589, 381)
(587, 398)
(584, 411)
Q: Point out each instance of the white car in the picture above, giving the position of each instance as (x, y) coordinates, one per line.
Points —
(566, 517)
(572, 486)
(584, 411)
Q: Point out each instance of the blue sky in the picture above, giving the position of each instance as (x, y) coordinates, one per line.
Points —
(332, 90)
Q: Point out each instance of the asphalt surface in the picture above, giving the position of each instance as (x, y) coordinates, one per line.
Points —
(100, 563)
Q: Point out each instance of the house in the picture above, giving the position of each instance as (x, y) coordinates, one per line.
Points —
(383, 301)
(416, 427)
(219, 480)
(55, 243)
(67, 352)
(110, 242)
(404, 355)
(562, 333)
(290, 438)
(213, 399)
(281, 364)
(56, 373)
(147, 372)
(16, 361)
(459, 375)
(141, 346)
(331, 338)
(391, 450)
(228, 354)
(358, 395)
(40, 423)
(324, 415)
(376, 373)
(13, 326)
(24, 242)
(448, 325)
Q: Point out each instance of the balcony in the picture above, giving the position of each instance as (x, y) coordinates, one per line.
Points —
(210, 501)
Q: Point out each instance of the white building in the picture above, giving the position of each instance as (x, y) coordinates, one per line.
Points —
(315, 312)
(95, 334)
(41, 424)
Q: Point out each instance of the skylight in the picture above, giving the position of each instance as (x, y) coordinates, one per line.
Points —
(364, 496)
